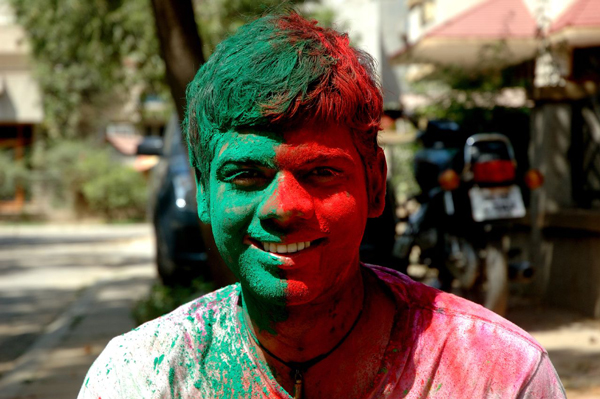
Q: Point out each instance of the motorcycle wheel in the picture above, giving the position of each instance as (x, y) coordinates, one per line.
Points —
(491, 287)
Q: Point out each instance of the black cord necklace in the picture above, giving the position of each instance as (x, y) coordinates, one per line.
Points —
(299, 368)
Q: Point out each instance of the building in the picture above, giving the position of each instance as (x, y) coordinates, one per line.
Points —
(20, 100)
(565, 146)
(377, 27)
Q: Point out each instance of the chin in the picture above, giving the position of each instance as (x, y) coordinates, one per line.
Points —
(297, 293)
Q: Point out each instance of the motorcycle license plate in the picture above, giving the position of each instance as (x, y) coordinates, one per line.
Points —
(496, 203)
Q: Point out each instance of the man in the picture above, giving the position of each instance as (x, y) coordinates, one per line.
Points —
(282, 127)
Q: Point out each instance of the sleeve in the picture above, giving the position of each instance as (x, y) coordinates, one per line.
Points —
(544, 382)
(102, 379)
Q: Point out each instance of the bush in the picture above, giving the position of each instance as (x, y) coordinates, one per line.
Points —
(87, 178)
(118, 194)
(163, 299)
(12, 174)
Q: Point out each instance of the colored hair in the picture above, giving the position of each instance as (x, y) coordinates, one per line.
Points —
(278, 71)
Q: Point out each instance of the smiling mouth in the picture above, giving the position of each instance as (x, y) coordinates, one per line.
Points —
(279, 248)
(285, 248)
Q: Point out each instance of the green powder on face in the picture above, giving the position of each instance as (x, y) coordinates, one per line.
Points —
(234, 211)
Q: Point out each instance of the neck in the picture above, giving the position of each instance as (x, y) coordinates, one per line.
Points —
(301, 332)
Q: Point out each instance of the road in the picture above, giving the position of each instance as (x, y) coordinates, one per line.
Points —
(64, 291)
(572, 342)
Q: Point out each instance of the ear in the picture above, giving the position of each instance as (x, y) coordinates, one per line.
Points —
(202, 199)
(376, 179)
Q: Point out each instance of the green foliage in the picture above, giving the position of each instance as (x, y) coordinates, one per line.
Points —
(86, 176)
(163, 299)
(402, 171)
(479, 119)
(12, 174)
(119, 194)
(489, 75)
(88, 55)
(459, 93)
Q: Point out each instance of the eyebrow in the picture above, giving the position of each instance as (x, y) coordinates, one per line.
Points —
(242, 160)
(331, 154)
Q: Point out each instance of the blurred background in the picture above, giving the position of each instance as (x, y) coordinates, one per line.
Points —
(98, 229)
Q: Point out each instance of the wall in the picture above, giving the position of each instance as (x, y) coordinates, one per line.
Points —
(443, 11)
(20, 97)
(565, 240)
(375, 26)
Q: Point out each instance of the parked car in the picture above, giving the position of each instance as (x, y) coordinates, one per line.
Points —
(180, 250)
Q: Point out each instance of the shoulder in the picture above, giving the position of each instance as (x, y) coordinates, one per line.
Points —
(156, 355)
(458, 343)
(449, 310)
(195, 318)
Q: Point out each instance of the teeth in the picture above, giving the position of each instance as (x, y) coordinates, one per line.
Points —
(285, 248)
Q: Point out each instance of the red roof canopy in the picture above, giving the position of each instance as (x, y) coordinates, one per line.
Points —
(582, 13)
(491, 19)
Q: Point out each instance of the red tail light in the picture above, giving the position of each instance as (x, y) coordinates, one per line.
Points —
(449, 180)
(534, 179)
(497, 171)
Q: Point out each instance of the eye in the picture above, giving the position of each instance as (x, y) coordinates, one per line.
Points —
(247, 178)
(323, 174)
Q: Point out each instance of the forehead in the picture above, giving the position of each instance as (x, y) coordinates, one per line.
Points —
(292, 147)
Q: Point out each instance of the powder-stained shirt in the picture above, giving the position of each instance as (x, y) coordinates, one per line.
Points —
(441, 346)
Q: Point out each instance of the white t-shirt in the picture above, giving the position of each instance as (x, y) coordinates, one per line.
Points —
(441, 346)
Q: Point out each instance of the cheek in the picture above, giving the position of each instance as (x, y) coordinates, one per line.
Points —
(233, 215)
(230, 210)
(343, 210)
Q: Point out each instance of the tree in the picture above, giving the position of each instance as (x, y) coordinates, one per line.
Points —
(180, 46)
(184, 44)
(88, 56)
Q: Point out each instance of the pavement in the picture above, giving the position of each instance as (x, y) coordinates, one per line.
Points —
(572, 342)
(95, 303)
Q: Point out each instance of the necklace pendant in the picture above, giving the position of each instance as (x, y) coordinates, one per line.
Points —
(298, 384)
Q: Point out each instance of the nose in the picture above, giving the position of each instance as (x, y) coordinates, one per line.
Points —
(288, 201)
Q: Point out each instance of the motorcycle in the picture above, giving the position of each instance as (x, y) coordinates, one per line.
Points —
(469, 198)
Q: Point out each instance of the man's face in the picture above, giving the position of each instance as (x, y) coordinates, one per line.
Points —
(288, 210)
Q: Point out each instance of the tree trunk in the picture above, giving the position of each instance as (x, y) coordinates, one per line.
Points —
(181, 50)
(180, 45)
